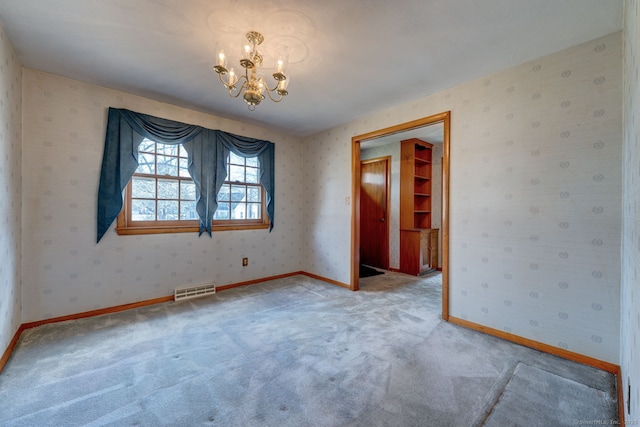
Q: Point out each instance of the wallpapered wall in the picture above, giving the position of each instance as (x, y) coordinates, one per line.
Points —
(10, 199)
(630, 310)
(393, 150)
(67, 272)
(535, 197)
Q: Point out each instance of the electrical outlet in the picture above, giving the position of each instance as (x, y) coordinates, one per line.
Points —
(245, 262)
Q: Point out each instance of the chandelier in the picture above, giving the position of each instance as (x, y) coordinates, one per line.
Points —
(251, 85)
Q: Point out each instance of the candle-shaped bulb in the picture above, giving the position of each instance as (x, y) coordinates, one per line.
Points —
(232, 77)
(280, 69)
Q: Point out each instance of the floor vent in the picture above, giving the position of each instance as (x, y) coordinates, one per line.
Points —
(189, 292)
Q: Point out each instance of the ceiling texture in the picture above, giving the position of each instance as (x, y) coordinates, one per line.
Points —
(349, 58)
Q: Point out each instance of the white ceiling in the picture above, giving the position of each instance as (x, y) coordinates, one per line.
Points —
(349, 58)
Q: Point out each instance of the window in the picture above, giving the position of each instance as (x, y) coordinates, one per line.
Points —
(161, 196)
(241, 195)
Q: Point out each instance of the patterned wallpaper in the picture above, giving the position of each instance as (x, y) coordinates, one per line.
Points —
(393, 150)
(10, 199)
(67, 271)
(630, 301)
(535, 197)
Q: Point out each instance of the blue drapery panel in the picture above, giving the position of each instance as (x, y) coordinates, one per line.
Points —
(206, 149)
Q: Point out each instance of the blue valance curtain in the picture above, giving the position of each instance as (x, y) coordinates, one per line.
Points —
(206, 149)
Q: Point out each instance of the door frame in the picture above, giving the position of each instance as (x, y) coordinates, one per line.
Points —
(387, 179)
(445, 119)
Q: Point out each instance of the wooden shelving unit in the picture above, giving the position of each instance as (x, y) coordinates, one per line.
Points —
(417, 249)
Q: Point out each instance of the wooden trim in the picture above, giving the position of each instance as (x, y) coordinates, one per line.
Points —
(444, 224)
(445, 119)
(354, 285)
(430, 120)
(619, 386)
(254, 281)
(324, 279)
(387, 214)
(99, 312)
(263, 225)
(12, 345)
(133, 231)
(565, 354)
(546, 348)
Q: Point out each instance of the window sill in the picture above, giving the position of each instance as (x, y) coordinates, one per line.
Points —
(129, 231)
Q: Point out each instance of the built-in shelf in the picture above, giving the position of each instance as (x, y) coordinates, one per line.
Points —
(418, 246)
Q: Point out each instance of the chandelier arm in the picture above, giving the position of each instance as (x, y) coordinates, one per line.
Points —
(271, 97)
(274, 88)
(221, 80)
(240, 89)
(236, 95)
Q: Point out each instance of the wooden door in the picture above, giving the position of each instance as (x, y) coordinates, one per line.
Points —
(374, 208)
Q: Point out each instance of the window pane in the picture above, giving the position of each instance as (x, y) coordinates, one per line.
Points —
(167, 165)
(238, 193)
(252, 176)
(167, 189)
(143, 188)
(167, 210)
(182, 152)
(168, 149)
(188, 210)
(222, 212)
(253, 194)
(235, 159)
(187, 190)
(236, 173)
(225, 193)
(184, 168)
(146, 163)
(238, 210)
(253, 211)
(252, 161)
(147, 145)
(143, 210)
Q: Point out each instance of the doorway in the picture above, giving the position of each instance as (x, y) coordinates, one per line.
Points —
(374, 208)
(356, 243)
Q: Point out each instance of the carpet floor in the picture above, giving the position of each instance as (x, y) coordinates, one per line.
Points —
(293, 352)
